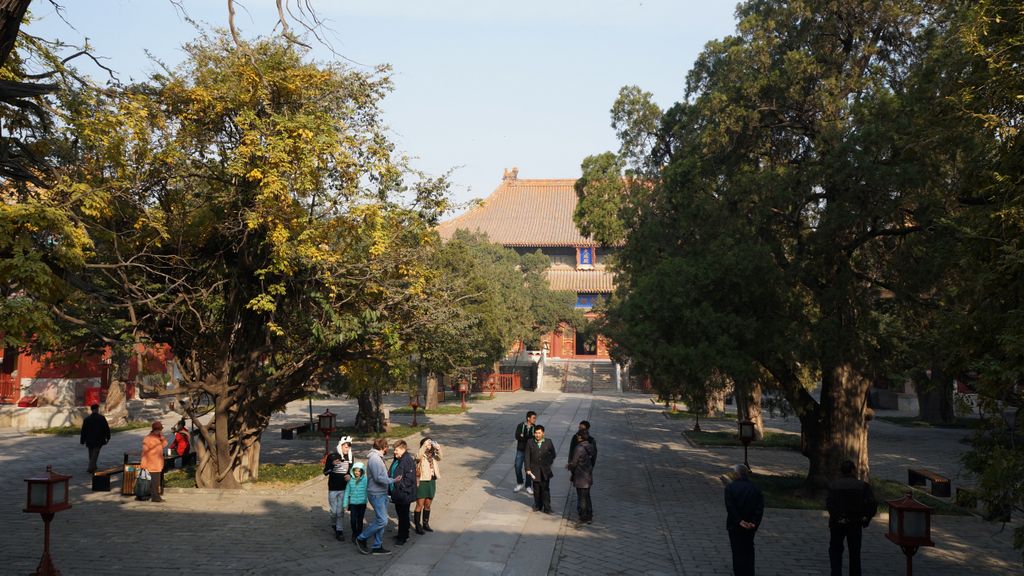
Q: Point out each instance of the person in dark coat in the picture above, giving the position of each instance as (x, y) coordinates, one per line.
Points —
(403, 491)
(582, 466)
(584, 427)
(744, 505)
(95, 433)
(540, 455)
(851, 506)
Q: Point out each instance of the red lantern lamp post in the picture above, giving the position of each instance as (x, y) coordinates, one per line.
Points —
(47, 496)
(326, 422)
(414, 403)
(910, 524)
(463, 388)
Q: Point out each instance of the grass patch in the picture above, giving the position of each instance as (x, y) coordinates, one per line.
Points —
(915, 422)
(276, 474)
(686, 414)
(785, 440)
(76, 430)
(447, 409)
(288, 473)
(787, 492)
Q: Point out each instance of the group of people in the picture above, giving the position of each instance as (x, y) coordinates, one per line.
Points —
(850, 502)
(406, 480)
(535, 456)
(96, 433)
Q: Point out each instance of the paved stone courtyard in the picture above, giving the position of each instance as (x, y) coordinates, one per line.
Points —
(657, 499)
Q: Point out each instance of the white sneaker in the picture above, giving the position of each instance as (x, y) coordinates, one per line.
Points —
(517, 488)
(529, 491)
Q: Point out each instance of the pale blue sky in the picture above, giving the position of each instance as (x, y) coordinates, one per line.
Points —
(479, 85)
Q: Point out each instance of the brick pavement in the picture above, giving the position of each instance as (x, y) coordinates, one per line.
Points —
(658, 507)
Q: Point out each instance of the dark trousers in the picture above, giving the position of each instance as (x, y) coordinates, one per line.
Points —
(154, 487)
(852, 534)
(542, 495)
(94, 455)
(356, 514)
(741, 541)
(584, 506)
(402, 511)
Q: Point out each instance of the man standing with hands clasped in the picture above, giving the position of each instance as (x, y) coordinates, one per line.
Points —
(540, 455)
(851, 505)
(744, 505)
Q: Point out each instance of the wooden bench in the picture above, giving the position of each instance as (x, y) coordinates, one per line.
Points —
(939, 484)
(101, 478)
(289, 432)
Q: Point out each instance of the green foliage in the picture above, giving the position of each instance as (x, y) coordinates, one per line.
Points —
(500, 298)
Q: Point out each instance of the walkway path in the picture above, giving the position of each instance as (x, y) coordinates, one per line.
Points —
(658, 507)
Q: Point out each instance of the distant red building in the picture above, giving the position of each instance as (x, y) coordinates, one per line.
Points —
(530, 215)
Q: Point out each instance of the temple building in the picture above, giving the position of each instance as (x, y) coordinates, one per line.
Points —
(530, 215)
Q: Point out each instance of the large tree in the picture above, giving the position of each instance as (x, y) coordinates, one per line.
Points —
(248, 211)
(783, 191)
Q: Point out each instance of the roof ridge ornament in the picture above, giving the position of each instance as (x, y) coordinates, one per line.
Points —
(512, 174)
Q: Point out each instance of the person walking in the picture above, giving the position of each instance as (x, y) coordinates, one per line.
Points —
(524, 433)
(181, 444)
(428, 470)
(403, 491)
(540, 455)
(355, 499)
(744, 505)
(851, 505)
(336, 468)
(95, 434)
(582, 467)
(377, 483)
(153, 445)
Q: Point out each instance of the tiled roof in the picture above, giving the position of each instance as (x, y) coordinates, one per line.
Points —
(567, 279)
(524, 213)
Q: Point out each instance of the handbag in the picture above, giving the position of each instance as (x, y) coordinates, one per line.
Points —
(142, 484)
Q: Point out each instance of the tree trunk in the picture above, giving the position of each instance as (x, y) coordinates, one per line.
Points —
(370, 417)
(935, 398)
(838, 429)
(11, 14)
(748, 406)
(217, 461)
(430, 398)
(115, 408)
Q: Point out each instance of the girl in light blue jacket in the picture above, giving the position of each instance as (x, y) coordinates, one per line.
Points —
(355, 498)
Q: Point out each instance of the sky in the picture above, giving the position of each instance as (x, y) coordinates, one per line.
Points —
(480, 85)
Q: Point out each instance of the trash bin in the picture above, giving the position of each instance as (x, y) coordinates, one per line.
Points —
(92, 396)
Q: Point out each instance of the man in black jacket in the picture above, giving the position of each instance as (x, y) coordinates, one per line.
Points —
(95, 433)
(540, 455)
(851, 505)
(524, 432)
(744, 506)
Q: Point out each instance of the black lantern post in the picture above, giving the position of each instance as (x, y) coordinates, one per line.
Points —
(326, 423)
(47, 496)
(747, 433)
(910, 525)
